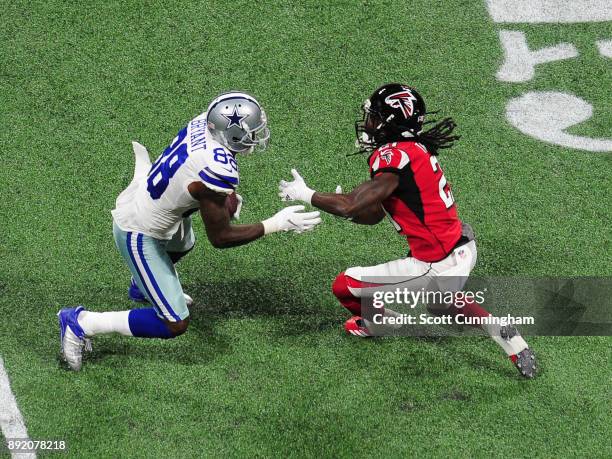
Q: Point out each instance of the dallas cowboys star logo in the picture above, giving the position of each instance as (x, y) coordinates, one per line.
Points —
(235, 119)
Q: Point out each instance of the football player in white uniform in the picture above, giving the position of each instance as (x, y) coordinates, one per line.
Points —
(152, 222)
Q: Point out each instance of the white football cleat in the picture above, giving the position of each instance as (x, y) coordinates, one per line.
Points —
(188, 299)
(72, 337)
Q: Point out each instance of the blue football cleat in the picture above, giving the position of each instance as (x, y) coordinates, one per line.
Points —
(72, 337)
(135, 294)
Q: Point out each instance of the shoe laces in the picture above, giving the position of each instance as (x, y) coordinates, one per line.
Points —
(83, 343)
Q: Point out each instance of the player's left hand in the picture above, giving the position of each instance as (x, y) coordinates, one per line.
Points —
(296, 190)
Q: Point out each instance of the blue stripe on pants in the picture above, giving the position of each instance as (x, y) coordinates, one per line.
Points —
(129, 250)
(152, 279)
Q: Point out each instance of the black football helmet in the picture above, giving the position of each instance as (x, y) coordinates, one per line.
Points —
(394, 112)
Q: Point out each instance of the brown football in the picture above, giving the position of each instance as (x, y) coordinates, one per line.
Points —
(231, 204)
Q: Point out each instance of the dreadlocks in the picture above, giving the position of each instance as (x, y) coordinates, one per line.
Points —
(439, 136)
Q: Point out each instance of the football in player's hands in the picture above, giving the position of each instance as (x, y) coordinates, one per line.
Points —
(233, 203)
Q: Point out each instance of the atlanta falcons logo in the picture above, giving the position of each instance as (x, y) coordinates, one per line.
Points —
(387, 156)
(402, 100)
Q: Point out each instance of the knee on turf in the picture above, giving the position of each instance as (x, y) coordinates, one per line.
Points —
(179, 327)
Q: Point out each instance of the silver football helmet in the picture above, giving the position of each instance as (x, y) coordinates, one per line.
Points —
(238, 122)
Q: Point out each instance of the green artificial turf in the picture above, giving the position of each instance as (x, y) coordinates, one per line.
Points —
(264, 369)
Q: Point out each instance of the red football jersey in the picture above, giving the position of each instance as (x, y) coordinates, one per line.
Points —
(422, 207)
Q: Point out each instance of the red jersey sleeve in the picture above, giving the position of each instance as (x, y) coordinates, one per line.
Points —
(388, 159)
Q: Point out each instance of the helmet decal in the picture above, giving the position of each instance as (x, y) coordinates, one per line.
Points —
(235, 119)
(402, 100)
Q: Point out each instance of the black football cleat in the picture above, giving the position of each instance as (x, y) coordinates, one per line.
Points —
(525, 363)
(525, 360)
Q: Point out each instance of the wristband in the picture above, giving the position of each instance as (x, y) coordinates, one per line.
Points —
(270, 225)
(308, 196)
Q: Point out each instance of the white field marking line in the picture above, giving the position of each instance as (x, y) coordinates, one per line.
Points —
(550, 11)
(11, 421)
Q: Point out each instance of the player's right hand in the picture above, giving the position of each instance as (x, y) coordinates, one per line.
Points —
(292, 218)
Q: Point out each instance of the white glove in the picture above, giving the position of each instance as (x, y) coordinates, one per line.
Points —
(236, 215)
(291, 219)
(297, 190)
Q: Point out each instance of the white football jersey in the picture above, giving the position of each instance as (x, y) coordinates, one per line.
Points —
(157, 199)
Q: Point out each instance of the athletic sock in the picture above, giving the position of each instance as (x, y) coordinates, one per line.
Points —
(353, 305)
(96, 323)
(510, 346)
(340, 289)
(145, 323)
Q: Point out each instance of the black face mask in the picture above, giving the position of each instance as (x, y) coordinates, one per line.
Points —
(367, 129)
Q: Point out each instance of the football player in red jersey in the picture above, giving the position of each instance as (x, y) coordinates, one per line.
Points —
(408, 184)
